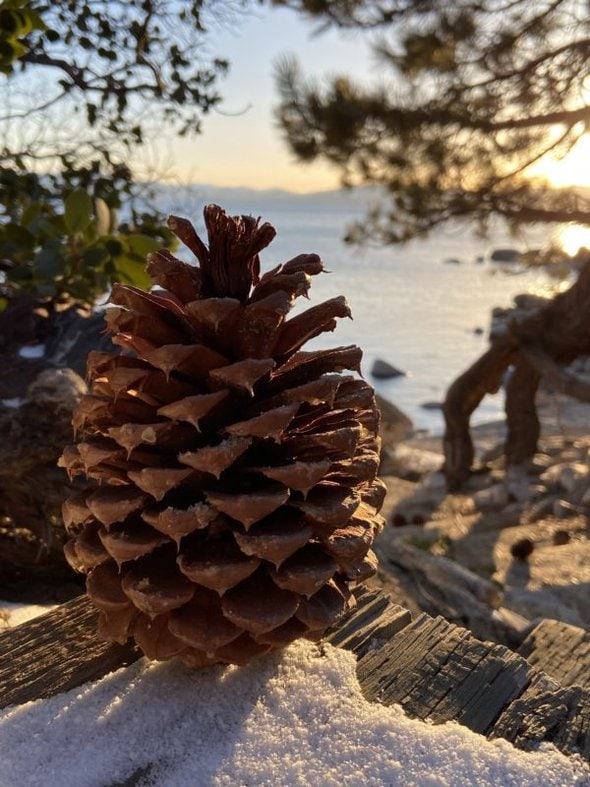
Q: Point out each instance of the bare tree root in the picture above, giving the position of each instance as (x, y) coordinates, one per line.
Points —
(537, 346)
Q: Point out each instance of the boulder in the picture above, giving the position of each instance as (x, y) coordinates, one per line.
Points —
(568, 476)
(494, 497)
(505, 255)
(410, 463)
(395, 424)
(384, 370)
(431, 405)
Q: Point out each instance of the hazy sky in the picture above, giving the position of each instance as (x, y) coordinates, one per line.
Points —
(244, 147)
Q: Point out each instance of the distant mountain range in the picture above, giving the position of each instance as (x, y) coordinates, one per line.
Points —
(171, 198)
(167, 195)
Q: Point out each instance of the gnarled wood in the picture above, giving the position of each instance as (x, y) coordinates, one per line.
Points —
(463, 397)
(537, 345)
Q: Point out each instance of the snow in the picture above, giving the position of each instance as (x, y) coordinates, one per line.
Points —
(32, 351)
(292, 718)
(13, 403)
(12, 614)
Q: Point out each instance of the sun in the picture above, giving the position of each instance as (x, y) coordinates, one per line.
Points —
(571, 170)
(572, 238)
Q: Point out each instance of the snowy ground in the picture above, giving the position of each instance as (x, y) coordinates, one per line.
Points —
(295, 718)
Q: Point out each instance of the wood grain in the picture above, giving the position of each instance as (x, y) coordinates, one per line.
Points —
(435, 670)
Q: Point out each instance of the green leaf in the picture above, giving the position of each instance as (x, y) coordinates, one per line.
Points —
(115, 247)
(131, 271)
(52, 227)
(20, 273)
(95, 257)
(78, 211)
(31, 212)
(19, 236)
(50, 262)
(142, 245)
(81, 290)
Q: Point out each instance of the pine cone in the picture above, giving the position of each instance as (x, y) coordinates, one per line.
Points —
(235, 498)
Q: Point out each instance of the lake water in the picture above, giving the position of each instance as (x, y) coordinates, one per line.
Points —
(409, 307)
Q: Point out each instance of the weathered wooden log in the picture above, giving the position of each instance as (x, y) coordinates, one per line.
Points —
(440, 586)
(56, 652)
(537, 345)
(560, 650)
(435, 670)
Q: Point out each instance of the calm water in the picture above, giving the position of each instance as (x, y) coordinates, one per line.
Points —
(409, 307)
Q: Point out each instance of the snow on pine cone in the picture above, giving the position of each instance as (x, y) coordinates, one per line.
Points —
(232, 497)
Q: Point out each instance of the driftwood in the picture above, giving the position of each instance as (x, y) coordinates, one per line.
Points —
(440, 586)
(435, 670)
(537, 346)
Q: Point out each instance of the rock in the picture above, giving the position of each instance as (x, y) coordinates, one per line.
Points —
(562, 509)
(480, 259)
(385, 371)
(395, 424)
(540, 510)
(586, 498)
(505, 255)
(436, 481)
(567, 475)
(452, 261)
(494, 497)
(561, 537)
(398, 520)
(539, 463)
(522, 549)
(410, 463)
(519, 484)
(580, 491)
(530, 302)
(431, 405)
(492, 453)
(478, 331)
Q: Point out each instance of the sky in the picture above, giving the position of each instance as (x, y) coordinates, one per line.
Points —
(243, 146)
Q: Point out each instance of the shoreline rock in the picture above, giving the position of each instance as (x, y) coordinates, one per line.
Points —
(383, 370)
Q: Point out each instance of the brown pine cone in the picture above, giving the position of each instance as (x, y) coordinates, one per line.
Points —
(235, 497)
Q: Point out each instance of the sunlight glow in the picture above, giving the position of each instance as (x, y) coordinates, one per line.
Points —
(573, 237)
(572, 170)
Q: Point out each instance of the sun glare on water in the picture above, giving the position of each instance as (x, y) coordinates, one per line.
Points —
(572, 238)
(571, 170)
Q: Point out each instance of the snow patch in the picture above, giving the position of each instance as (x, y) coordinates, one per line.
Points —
(293, 718)
(13, 403)
(12, 614)
(32, 351)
